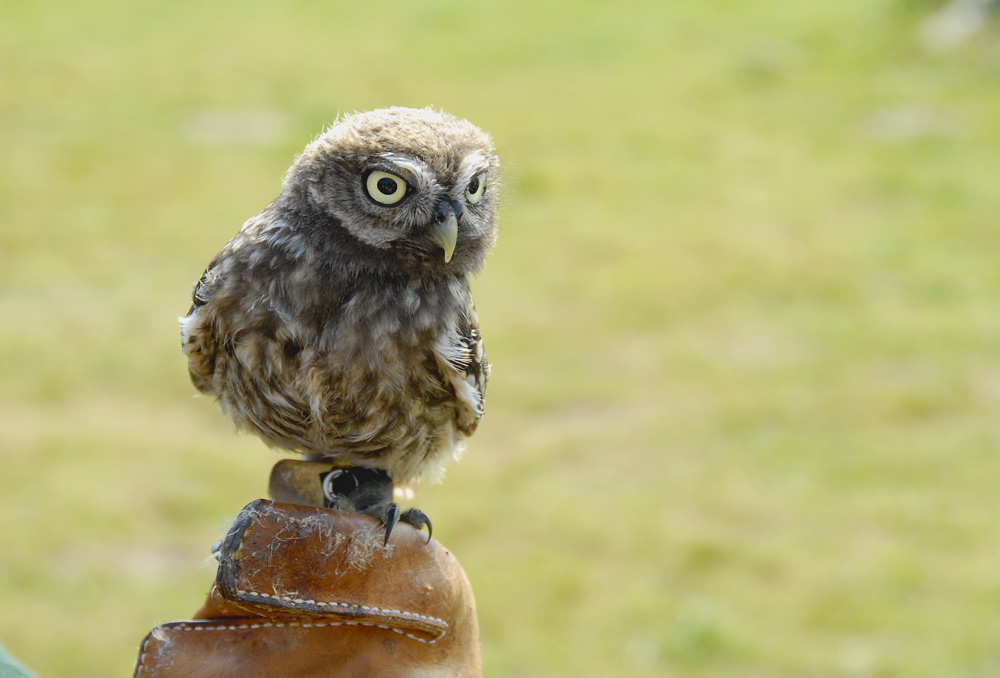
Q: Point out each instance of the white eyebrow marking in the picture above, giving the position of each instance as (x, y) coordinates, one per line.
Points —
(418, 170)
(471, 165)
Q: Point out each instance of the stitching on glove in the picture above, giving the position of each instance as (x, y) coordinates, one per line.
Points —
(212, 625)
(377, 610)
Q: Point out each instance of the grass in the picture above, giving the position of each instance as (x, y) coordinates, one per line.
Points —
(743, 315)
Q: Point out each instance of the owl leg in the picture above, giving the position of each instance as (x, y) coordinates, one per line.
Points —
(368, 491)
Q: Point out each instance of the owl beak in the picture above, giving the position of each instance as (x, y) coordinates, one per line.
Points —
(445, 234)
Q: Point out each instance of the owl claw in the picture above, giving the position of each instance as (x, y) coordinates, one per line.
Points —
(389, 518)
(418, 519)
(389, 514)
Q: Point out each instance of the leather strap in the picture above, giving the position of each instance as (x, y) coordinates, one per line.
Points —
(298, 482)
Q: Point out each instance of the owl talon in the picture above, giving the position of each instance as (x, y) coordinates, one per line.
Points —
(389, 519)
(418, 519)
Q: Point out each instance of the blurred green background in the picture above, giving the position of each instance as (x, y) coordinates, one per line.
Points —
(743, 316)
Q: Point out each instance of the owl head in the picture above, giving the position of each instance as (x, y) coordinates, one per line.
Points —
(410, 188)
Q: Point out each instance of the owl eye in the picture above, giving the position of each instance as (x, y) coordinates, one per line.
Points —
(385, 188)
(474, 193)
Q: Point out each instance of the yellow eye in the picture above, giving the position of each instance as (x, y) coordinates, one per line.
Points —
(385, 188)
(474, 193)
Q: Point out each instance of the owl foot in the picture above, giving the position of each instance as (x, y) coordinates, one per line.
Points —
(418, 519)
(389, 514)
(369, 491)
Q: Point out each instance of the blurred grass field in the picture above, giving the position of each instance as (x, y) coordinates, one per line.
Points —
(743, 316)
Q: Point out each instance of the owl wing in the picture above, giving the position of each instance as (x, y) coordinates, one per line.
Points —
(462, 360)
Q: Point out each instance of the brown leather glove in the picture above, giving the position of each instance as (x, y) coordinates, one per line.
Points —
(307, 591)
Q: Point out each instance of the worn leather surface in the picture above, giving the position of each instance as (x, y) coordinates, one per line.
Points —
(307, 591)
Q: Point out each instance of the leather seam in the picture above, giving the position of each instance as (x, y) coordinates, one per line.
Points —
(209, 625)
(366, 608)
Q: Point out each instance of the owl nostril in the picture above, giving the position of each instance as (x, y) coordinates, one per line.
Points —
(446, 207)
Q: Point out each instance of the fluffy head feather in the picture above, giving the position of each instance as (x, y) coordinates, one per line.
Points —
(437, 155)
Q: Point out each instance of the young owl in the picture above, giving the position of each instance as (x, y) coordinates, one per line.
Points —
(339, 322)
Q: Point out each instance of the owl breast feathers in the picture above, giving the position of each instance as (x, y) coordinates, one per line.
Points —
(339, 321)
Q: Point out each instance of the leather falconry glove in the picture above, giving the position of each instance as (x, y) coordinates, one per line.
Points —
(306, 591)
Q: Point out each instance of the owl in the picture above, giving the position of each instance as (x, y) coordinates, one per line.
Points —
(339, 322)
